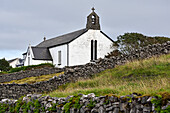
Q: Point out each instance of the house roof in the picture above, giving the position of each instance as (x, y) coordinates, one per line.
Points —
(60, 40)
(19, 60)
(41, 53)
(24, 53)
(10, 61)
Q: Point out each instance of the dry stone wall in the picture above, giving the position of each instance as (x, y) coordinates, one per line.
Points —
(134, 103)
(29, 73)
(72, 74)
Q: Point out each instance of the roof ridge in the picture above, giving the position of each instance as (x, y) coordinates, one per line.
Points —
(66, 38)
(38, 47)
(66, 34)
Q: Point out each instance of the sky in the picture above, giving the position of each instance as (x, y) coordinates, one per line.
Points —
(24, 22)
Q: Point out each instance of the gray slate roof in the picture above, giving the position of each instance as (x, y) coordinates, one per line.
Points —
(10, 61)
(41, 53)
(64, 39)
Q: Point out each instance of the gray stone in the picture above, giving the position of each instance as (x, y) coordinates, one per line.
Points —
(108, 105)
(123, 106)
(94, 110)
(144, 99)
(149, 99)
(138, 111)
(111, 98)
(82, 110)
(146, 110)
(48, 105)
(115, 104)
(26, 99)
(91, 95)
(101, 110)
(50, 100)
(109, 109)
(116, 110)
(133, 110)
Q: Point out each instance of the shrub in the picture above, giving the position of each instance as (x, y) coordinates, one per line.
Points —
(129, 42)
(4, 65)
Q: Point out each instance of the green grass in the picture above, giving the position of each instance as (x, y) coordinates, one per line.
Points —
(148, 76)
(23, 68)
(31, 80)
(2, 73)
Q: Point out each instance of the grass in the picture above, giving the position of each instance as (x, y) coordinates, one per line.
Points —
(2, 73)
(147, 76)
(23, 68)
(32, 80)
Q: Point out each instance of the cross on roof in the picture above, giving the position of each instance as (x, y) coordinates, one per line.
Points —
(93, 9)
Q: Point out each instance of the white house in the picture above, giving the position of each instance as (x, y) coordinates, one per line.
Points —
(75, 48)
(17, 62)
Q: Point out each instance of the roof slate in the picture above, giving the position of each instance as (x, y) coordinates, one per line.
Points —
(10, 61)
(64, 39)
(41, 53)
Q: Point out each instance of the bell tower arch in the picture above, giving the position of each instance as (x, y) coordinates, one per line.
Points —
(93, 21)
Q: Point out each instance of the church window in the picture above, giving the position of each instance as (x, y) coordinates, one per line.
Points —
(59, 57)
(95, 46)
(93, 50)
(28, 52)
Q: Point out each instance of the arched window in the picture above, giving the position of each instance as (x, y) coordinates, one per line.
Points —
(93, 19)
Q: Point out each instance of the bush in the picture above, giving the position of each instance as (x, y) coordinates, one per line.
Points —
(129, 42)
(4, 65)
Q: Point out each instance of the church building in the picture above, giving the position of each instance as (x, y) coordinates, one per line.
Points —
(75, 48)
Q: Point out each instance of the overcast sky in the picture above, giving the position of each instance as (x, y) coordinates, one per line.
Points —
(24, 22)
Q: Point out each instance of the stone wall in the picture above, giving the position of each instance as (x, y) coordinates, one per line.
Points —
(29, 73)
(134, 103)
(71, 74)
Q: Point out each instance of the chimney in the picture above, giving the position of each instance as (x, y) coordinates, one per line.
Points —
(44, 38)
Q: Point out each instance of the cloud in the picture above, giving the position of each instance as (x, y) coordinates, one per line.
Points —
(27, 22)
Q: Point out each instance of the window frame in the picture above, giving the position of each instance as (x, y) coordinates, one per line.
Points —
(59, 58)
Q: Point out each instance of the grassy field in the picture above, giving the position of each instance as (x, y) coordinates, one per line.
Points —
(148, 76)
(31, 80)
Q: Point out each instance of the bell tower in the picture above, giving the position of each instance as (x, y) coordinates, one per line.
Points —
(93, 21)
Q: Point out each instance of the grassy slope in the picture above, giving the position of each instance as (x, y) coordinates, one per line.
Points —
(145, 76)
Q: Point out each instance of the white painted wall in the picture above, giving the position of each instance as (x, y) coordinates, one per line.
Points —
(36, 62)
(31, 56)
(79, 51)
(80, 48)
(54, 55)
(14, 63)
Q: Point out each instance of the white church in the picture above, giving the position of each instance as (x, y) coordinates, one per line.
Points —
(75, 48)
